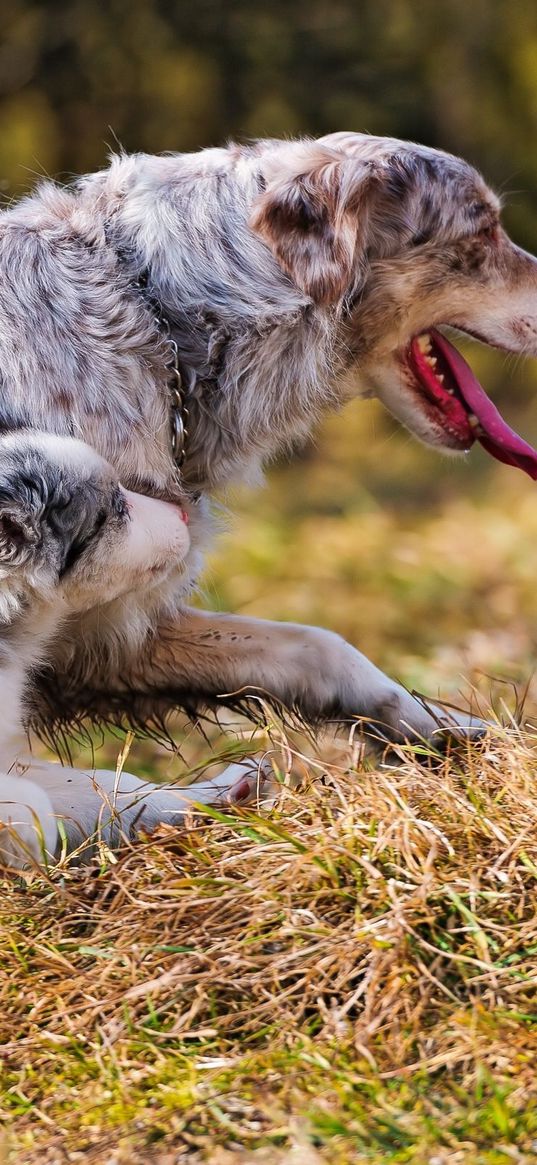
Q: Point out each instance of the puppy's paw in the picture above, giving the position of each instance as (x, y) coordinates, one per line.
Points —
(249, 782)
(28, 830)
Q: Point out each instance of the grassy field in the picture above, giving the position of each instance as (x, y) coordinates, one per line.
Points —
(352, 974)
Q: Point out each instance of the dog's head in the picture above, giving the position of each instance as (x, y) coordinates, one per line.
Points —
(69, 530)
(395, 239)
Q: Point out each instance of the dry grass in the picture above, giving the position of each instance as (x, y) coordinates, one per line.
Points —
(352, 976)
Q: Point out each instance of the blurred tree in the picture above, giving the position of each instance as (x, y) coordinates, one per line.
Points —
(77, 77)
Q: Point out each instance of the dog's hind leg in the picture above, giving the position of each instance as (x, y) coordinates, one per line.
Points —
(52, 801)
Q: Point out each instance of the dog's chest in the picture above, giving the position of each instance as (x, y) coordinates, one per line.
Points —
(80, 355)
(127, 421)
(132, 433)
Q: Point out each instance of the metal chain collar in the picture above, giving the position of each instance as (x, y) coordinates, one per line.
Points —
(178, 408)
(176, 382)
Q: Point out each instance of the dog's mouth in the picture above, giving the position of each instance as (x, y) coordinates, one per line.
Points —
(453, 399)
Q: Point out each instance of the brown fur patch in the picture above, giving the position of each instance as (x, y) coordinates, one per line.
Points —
(311, 226)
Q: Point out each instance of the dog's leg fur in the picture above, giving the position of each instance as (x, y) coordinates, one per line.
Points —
(202, 659)
(105, 805)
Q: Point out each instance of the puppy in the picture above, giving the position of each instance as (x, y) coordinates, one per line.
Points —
(72, 538)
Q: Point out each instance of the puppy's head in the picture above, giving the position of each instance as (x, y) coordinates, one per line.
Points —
(395, 239)
(69, 528)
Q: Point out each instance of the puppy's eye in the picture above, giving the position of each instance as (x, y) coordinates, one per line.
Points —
(99, 523)
(80, 545)
(120, 505)
(62, 503)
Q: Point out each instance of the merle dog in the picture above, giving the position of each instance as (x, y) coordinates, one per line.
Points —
(290, 277)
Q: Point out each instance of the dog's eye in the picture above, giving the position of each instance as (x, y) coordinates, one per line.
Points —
(478, 208)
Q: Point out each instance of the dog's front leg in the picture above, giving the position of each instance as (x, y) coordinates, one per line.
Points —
(202, 657)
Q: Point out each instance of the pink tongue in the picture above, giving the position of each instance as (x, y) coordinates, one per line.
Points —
(494, 434)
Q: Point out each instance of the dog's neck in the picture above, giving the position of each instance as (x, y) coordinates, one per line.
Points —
(263, 362)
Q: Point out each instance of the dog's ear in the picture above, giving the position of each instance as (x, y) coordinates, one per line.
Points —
(18, 534)
(313, 216)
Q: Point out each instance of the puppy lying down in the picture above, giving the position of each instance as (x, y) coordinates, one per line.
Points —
(73, 539)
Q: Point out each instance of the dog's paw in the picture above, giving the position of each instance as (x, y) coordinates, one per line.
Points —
(457, 727)
(400, 717)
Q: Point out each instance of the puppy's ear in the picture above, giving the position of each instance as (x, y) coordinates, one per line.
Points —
(18, 534)
(313, 216)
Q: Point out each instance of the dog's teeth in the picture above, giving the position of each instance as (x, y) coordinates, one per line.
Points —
(473, 421)
(441, 378)
(424, 343)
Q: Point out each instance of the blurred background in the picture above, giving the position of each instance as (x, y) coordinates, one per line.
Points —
(428, 565)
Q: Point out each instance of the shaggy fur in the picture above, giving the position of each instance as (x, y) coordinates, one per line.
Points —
(293, 276)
